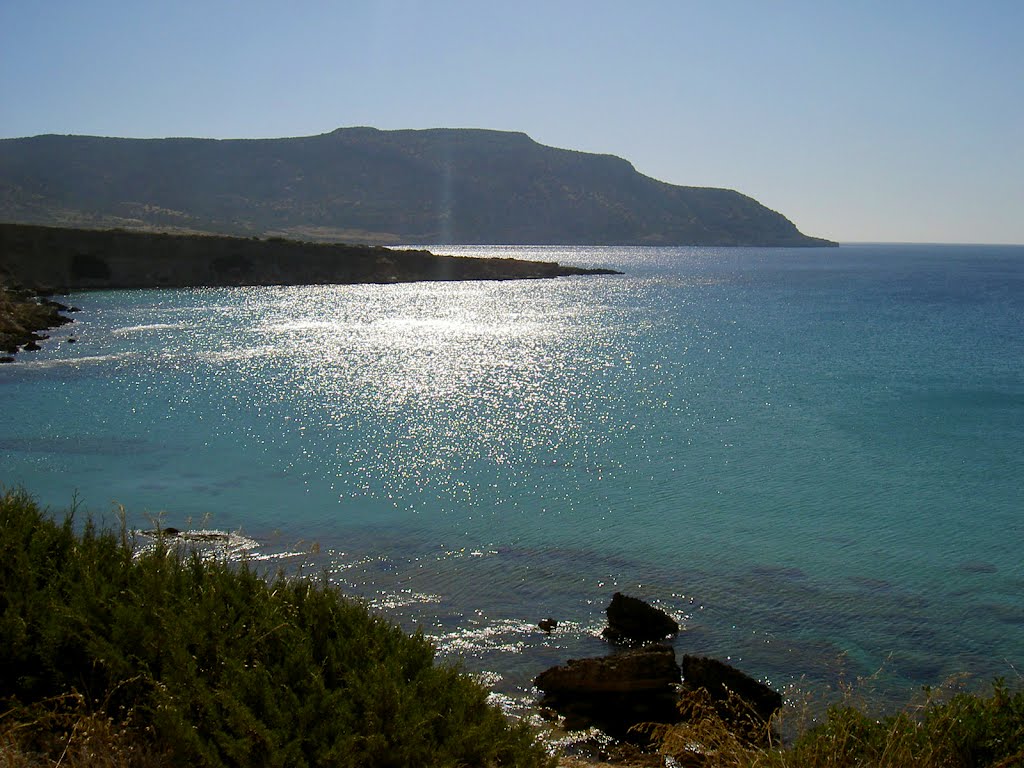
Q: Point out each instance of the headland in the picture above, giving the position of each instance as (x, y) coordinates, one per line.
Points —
(39, 261)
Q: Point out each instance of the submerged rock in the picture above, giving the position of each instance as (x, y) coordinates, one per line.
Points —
(632, 621)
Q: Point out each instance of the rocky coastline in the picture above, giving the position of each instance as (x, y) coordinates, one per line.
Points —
(24, 316)
(37, 261)
(57, 260)
(639, 686)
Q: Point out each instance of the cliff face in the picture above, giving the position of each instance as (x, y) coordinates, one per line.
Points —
(364, 185)
(61, 259)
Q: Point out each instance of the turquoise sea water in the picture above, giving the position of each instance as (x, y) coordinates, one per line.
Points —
(813, 458)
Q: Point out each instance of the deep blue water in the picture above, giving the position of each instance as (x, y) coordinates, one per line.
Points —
(813, 458)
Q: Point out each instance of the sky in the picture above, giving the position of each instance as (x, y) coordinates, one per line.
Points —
(892, 121)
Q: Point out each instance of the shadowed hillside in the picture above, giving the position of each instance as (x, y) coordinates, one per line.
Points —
(365, 185)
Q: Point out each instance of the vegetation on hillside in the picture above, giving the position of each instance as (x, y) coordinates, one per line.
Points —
(122, 658)
(363, 185)
(167, 658)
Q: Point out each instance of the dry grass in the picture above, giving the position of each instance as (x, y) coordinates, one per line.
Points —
(65, 733)
(945, 728)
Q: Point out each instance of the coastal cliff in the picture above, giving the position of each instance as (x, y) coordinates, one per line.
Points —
(61, 259)
(44, 260)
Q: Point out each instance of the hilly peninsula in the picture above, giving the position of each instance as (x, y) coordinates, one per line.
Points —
(441, 186)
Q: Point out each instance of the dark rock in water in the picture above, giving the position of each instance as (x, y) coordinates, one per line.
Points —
(72, 340)
(977, 566)
(6, 359)
(631, 620)
(547, 624)
(31, 347)
(757, 702)
(614, 692)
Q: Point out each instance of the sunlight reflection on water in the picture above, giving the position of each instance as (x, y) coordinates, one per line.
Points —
(780, 448)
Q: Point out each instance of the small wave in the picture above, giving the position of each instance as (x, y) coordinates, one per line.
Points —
(125, 330)
(75, 362)
(403, 599)
(300, 325)
(241, 353)
(269, 556)
(506, 635)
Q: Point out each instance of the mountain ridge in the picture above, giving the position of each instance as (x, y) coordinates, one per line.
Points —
(362, 184)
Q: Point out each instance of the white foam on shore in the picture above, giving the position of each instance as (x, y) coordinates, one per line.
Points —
(224, 544)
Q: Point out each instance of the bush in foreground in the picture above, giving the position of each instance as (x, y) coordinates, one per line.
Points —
(169, 658)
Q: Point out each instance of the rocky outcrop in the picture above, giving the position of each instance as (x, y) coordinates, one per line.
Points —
(719, 680)
(632, 621)
(639, 670)
(742, 702)
(614, 692)
(643, 685)
(82, 259)
(22, 316)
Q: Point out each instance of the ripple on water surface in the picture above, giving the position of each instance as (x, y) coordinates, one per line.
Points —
(811, 459)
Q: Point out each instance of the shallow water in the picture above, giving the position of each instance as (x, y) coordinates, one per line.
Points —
(812, 458)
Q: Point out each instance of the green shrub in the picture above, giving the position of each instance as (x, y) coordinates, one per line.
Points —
(212, 664)
(968, 730)
(965, 731)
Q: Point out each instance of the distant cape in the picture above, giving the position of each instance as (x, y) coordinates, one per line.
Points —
(363, 185)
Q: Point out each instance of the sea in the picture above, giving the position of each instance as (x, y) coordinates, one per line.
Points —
(812, 458)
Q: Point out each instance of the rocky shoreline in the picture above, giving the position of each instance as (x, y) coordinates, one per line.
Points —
(24, 315)
(37, 261)
(58, 260)
(639, 686)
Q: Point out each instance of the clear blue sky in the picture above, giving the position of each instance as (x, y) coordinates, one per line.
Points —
(868, 120)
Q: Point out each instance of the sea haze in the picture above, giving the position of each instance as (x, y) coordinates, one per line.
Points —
(811, 457)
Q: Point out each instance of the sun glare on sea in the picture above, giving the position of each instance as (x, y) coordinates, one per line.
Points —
(413, 383)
